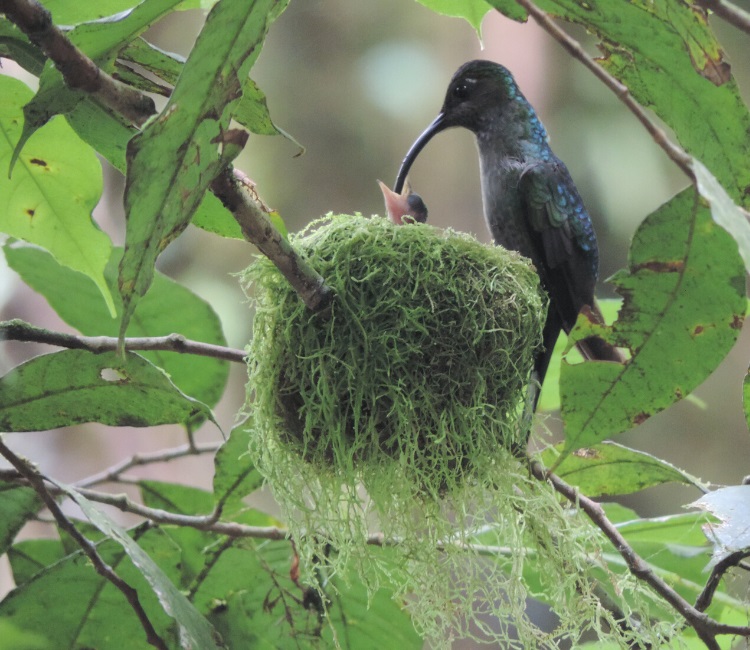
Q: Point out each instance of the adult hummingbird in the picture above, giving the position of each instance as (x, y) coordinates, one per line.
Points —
(531, 204)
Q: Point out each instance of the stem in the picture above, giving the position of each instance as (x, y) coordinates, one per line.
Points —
(18, 330)
(733, 15)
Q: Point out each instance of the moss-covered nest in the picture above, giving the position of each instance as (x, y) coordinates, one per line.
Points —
(423, 357)
(411, 386)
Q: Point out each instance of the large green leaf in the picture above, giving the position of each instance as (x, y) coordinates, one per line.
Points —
(611, 469)
(75, 386)
(11, 638)
(195, 630)
(670, 60)
(73, 607)
(17, 506)
(684, 303)
(248, 596)
(167, 307)
(171, 163)
(56, 184)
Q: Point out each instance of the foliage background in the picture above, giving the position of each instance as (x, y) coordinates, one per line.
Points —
(355, 82)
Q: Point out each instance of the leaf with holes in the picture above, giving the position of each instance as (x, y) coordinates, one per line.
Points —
(684, 304)
(75, 386)
(173, 161)
(54, 187)
(167, 307)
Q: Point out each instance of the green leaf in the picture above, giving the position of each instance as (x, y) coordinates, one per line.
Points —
(73, 606)
(16, 46)
(473, 11)
(684, 304)
(54, 188)
(103, 130)
(11, 638)
(165, 65)
(248, 596)
(234, 475)
(609, 469)
(30, 556)
(75, 386)
(731, 505)
(550, 397)
(100, 40)
(17, 506)
(671, 62)
(174, 497)
(166, 308)
(172, 162)
(195, 630)
(65, 12)
(213, 217)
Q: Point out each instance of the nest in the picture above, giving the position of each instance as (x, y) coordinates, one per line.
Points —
(422, 358)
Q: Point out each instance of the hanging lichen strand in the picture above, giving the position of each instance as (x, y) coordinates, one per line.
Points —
(397, 410)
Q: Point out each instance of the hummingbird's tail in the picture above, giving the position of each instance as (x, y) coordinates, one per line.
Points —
(597, 349)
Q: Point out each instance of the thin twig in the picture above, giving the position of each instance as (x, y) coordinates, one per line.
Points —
(36, 480)
(678, 155)
(18, 330)
(717, 573)
(706, 627)
(112, 474)
(733, 15)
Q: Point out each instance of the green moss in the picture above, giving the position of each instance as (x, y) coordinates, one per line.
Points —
(423, 358)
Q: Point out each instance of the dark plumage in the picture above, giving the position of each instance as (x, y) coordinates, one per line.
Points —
(531, 203)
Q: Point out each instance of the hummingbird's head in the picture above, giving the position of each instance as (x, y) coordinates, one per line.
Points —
(480, 95)
(478, 92)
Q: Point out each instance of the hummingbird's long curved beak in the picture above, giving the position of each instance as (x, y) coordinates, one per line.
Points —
(438, 124)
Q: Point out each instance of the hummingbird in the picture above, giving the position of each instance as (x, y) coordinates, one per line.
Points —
(531, 204)
(406, 204)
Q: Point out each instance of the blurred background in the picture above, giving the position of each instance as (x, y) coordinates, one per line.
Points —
(355, 83)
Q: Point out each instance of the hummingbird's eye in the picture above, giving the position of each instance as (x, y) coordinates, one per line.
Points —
(462, 89)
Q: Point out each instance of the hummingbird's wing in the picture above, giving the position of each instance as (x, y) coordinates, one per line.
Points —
(565, 237)
(567, 244)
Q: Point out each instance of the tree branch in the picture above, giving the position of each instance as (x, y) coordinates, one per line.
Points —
(36, 480)
(81, 73)
(678, 155)
(733, 15)
(18, 330)
(113, 474)
(706, 627)
(236, 194)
